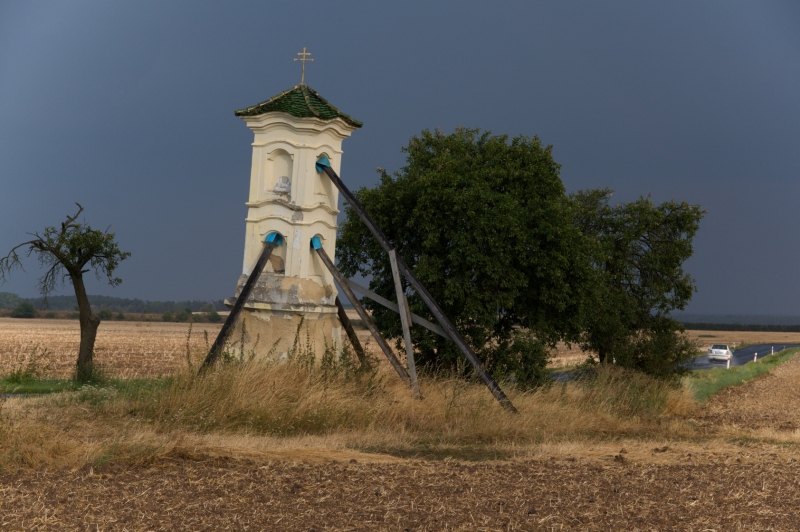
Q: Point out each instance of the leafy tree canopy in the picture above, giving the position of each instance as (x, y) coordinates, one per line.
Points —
(9, 300)
(637, 253)
(24, 310)
(485, 224)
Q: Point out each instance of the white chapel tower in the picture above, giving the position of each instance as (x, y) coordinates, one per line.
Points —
(288, 196)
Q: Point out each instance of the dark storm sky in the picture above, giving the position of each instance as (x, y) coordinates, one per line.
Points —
(127, 107)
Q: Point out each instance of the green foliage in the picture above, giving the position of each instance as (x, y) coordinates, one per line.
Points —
(9, 300)
(167, 316)
(105, 314)
(24, 310)
(120, 316)
(517, 265)
(705, 383)
(484, 223)
(637, 250)
(35, 386)
(114, 304)
(214, 317)
(68, 251)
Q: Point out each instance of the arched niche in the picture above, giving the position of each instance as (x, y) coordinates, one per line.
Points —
(323, 186)
(280, 174)
(277, 259)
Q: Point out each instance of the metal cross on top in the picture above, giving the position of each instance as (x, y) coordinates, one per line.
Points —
(303, 58)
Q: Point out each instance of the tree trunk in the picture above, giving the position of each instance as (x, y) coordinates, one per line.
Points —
(84, 370)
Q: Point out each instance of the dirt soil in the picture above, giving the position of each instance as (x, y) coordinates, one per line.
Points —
(414, 495)
(761, 406)
(743, 475)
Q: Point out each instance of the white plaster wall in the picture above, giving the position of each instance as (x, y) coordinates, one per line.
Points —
(311, 207)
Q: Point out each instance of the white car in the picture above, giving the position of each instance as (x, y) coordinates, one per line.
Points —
(719, 352)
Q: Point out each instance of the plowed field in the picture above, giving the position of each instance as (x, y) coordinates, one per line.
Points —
(413, 495)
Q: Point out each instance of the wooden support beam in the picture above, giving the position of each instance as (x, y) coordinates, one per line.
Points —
(222, 337)
(398, 367)
(436, 310)
(351, 334)
(405, 321)
(391, 305)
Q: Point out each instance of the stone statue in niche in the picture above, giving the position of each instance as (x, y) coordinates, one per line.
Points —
(283, 185)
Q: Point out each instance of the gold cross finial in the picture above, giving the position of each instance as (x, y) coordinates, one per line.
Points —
(303, 58)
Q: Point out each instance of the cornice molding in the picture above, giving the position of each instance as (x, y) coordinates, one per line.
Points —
(292, 206)
(289, 221)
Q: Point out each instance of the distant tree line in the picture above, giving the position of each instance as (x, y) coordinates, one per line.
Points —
(740, 327)
(113, 304)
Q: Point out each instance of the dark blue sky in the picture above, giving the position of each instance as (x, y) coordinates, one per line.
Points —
(128, 109)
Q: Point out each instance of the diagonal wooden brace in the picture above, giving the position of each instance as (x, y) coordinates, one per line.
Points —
(323, 166)
(351, 334)
(405, 321)
(362, 313)
(273, 240)
(394, 307)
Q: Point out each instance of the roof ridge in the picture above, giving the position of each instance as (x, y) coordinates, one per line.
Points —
(300, 101)
(307, 97)
(326, 102)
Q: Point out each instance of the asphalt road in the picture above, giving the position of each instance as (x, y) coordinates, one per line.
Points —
(740, 356)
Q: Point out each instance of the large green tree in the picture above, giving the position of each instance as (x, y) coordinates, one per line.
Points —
(70, 251)
(486, 226)
(637, 251)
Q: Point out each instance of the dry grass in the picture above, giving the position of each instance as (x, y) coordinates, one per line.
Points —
(123, 349)
(337, 410)
(290, 400)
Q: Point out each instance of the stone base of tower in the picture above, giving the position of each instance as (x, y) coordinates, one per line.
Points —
(285, 317)
(280, 335)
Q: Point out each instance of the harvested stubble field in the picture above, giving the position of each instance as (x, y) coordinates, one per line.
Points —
(146, 349)
(124, 348)
(207, 455)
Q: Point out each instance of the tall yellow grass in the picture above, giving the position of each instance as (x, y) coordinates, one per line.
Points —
(296, 400)
(334, 409)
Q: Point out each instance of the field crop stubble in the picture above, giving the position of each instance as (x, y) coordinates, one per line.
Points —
(123, 349)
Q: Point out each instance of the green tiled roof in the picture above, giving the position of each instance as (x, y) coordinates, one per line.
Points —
(301, 101)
